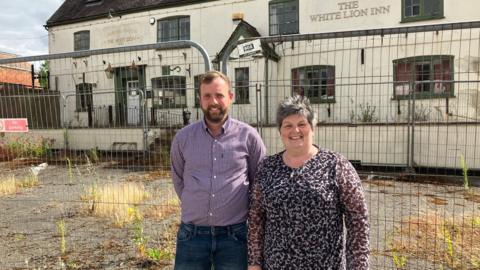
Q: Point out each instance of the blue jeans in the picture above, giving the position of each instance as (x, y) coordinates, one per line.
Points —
(201, 247)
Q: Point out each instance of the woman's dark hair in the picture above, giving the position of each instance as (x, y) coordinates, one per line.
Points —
(298, 105)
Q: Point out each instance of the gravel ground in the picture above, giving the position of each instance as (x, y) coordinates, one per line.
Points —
(30, 239)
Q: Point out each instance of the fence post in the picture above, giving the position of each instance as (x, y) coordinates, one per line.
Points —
(64, 125)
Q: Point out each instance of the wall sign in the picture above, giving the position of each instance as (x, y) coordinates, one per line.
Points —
(349, 10)
(14, 125)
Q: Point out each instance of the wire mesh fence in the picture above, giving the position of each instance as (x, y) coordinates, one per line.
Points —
(87, 184)
(401, 104)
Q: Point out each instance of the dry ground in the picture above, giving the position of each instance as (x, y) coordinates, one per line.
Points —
(402, 215)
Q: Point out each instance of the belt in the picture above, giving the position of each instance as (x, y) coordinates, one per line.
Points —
(213, 230)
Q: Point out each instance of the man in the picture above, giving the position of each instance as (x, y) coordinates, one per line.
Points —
(213, 162)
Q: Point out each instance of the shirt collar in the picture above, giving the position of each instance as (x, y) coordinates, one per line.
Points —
(225, 127)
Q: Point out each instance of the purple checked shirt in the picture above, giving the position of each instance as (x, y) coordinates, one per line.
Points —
(211, 175)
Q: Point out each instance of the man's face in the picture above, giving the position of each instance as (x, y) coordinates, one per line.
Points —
(215, 99)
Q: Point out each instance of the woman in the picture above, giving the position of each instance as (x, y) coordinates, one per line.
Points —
(300, 200)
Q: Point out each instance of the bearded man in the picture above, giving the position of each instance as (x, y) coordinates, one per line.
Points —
(214, 160)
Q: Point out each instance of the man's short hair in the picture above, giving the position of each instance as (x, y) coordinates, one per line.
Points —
(209, 76)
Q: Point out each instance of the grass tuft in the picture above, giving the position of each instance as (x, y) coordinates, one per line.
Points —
(114, 201)
(11, 185)
(8, 186)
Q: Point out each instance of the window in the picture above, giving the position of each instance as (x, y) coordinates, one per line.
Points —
(81, 41)
(283, 17)
(241, 86)
(428, 76)
(84, 97)
(170, 29)
(169, 92)
(315, 82)
(418, 10)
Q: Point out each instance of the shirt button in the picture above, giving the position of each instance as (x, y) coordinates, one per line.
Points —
(214, 158)
(214, 177)
(211, 214)
(213, 195)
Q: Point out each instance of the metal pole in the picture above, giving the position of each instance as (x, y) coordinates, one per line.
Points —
(266, 92)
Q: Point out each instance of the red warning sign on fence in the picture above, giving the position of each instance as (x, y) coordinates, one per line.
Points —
(13, 125)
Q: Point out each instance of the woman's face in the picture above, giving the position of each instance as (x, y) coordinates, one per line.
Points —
(296, 133)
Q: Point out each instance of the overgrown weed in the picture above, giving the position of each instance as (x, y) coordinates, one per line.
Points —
(114, 200)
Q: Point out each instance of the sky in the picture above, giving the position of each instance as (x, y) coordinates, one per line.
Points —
(21, 26)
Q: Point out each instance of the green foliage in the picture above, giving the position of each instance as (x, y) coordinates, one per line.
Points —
(27, 146)
(156, 254)
(139, 238)
(43, 74)
(400, 261)
(61, 228)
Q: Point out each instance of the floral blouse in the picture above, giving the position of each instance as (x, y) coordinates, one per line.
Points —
(297, 215)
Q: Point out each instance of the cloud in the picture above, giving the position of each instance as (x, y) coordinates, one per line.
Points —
(21, 26)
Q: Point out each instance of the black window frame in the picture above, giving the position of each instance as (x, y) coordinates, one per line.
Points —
(282, 28)
(84, 97)
(176, 20)
(81, 40)
(423, 13)
(409, 72)
(320, 89)
(177, 90)
(242, 85)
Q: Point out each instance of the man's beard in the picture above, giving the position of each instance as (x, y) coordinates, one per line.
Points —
(216, 117)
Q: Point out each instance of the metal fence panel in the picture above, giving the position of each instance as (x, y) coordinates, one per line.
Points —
(88, 186)
(401, 104)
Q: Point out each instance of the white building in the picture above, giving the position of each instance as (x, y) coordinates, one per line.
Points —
(350, 77)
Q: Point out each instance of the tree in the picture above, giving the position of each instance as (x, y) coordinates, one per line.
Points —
(43, 75)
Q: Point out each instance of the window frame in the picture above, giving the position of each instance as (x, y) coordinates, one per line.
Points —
(182, 96)
(241, 88)
(84, 97)
(279, 25)
(432, 61)
(77, 44)
(327, 83)
(175, 19)
(422, 16)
